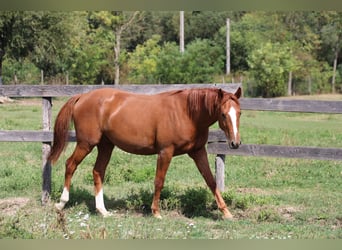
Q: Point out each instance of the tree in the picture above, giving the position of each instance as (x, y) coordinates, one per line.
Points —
(116, 22)
(143, 62)
(332, 40)
(202, 60)
(90, 54)
(44, 38)
(270, 65)
(170, 68)
(56, 37)
(7, 23)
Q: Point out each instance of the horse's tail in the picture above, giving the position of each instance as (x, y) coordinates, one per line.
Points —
(61, 129)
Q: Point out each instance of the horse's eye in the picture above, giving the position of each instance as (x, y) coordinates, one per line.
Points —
(223, 116)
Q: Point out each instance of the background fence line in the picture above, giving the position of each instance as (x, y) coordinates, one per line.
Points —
(216, 141)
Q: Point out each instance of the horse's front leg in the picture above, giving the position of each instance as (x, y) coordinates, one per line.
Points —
(201, 159)
(163, 162)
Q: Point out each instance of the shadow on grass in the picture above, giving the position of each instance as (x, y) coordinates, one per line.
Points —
(193, 202)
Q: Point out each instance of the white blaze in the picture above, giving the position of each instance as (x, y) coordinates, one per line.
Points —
(232, 115)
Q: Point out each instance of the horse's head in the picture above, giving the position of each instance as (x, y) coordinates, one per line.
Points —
(229, 117)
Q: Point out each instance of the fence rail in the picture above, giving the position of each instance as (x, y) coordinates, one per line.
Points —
(69, 90)
(216, 145)
(266, 104)
(216, 141)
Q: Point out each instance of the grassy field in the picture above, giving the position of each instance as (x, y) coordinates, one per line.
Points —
(271, 198)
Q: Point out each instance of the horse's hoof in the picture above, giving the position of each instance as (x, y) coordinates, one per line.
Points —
(59, 206)
(104, 213)
(230, 218)
(158, 216)
(107, 215)
(227, 216)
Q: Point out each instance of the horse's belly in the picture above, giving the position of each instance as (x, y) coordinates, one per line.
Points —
(137, 149)
(135, 145)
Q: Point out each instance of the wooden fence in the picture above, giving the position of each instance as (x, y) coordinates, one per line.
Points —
(216, 141)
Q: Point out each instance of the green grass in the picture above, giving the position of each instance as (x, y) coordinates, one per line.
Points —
(293, 129)
(271, 198)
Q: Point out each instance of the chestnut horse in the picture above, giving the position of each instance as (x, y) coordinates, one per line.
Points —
(168, 124)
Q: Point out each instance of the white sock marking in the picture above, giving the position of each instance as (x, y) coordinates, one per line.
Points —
(99, 202)
(65, 195)
(63, 200)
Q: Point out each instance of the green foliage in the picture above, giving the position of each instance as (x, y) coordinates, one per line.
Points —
(24, 70)
(170, 64)
(151, 63)
(265, 48)
(195, 201)
(11, 229)
(201, 61)
(90, 56)
(143, 62)
(245, 201)
(270, 65)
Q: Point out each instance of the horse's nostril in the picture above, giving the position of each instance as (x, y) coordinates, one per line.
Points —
(234, 145)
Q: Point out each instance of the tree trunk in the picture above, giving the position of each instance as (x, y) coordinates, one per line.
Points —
(2, 53)
(228, 47)
(181, 31)
(334, 72)
(289, 84)
(117, 55)
(310, 84)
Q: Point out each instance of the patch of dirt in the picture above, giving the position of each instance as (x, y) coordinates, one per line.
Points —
(11, 206)
(285, 212)
(288, 212)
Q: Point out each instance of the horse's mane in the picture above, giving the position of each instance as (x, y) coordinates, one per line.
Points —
(199, 99)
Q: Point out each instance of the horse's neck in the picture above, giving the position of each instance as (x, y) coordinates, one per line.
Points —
(202, 108)
(206, 119)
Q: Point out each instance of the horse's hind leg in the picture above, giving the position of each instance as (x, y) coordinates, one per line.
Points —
(105, 149)
(80, 152)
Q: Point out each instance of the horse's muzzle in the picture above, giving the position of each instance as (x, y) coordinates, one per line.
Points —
(234, 145)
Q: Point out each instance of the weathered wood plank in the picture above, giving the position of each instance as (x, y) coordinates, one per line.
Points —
(47, 136)
(277, 151)
(219, 171)
(216, 135)
(30, 136)
(46, 148)
(214, 147)
(308, 106)
(69, 90)
(267, 104)
(25, 136)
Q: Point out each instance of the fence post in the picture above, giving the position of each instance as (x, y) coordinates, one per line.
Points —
(46, 186)
(219, 171)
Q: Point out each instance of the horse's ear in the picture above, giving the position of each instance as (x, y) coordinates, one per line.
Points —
(238, 93)
(220, 94)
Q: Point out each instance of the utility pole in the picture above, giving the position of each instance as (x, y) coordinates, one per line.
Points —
(228, 48)
(181, 32)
